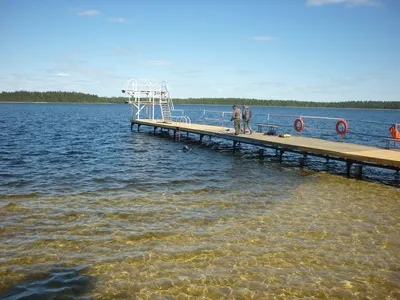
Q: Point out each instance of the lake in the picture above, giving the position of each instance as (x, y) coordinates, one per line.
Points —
(91, 210)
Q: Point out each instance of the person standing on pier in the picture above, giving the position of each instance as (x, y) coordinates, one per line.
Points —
(236, 119)
(246, 116)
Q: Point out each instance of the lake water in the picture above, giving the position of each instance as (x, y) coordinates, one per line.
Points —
(91, 210)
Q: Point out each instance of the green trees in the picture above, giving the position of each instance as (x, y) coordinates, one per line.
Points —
(74, 97)
(57, 97)
(293, 103)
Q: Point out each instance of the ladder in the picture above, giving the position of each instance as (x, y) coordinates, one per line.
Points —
(165, 111)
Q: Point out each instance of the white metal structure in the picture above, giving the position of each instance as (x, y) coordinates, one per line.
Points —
(145, 95)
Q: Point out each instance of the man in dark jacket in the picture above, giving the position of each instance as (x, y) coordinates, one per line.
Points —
(246, 116)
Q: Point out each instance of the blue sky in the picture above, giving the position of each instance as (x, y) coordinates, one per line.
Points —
(308, 50)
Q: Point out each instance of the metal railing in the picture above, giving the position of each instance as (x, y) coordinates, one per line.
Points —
(219, 118)
(182, 119)
(350, 131)
(304, 117)
(178, 110)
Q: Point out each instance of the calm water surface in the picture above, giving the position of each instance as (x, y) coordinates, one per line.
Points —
(91, 210)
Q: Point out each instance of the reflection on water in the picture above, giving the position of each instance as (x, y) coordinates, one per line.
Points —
(90, 210)
(56, 283)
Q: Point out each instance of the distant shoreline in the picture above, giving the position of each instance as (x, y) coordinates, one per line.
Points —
(196, 104)
(82, 98)
(305, 107)
(27, 102)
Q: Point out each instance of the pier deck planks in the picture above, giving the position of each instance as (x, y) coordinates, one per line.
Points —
(346, 151)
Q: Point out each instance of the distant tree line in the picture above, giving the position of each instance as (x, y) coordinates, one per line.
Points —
(57, 97)
(293, 103)
(75, 97)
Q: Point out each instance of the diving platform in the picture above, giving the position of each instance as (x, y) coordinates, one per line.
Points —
(145, 95)
(353, 154)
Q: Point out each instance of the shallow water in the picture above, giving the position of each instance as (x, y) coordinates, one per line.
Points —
(91, 210)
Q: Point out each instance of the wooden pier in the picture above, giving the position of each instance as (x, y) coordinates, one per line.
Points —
(352, 154)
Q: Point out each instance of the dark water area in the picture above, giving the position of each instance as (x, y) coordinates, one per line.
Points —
(91, 210)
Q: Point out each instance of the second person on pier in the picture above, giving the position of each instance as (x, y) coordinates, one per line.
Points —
(246, 116)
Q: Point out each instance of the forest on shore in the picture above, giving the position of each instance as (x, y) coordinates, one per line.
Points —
(75, 97)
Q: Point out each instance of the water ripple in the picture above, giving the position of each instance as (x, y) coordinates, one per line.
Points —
(90, 210)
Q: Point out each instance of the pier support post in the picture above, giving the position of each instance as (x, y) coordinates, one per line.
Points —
(358, 171)
(302, 161)
(201, 137)
(349, 163)
(234, 145)
(177, 134)
(281, 151)
(261, 153)
(155, 128)
(138, 127)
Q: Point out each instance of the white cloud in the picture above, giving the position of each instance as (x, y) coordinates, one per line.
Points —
(262, 38)
(349, 2)
(62, 74)
(88, 12)
(117, 20)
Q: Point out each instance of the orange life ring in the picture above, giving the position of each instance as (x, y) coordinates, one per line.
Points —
(343, 130)
(298, 125)
(394, 132)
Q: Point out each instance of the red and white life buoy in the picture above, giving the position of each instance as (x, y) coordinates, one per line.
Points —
(298, 125)
(342, 127)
